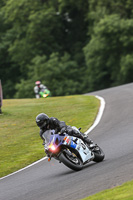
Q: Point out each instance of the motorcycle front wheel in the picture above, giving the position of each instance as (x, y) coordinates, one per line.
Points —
(71, 160)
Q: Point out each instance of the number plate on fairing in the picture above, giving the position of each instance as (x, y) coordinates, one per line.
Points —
(84, 151)
(79, 145)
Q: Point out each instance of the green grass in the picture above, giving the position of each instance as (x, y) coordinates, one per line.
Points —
(20, 143)
(123, 192)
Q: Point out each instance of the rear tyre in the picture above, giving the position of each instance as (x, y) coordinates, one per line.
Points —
(98, 154)
(71, 160)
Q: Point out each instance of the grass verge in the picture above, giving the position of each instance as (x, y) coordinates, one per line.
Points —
(123, 192)
(20, 143)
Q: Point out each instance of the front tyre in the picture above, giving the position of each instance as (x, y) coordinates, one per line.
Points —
(71, 160)
(98, 154)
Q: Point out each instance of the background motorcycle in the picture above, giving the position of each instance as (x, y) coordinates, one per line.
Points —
(71, 151)
(45, 93)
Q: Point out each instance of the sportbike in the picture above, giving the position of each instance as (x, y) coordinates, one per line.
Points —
(45, 93)
(71, 151)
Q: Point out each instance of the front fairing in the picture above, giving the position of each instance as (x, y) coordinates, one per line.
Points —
(53, 142)
(48, 135)
(63, 141)
(44, 93)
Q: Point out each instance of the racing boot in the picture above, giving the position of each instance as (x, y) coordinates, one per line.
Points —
(87, 140)
(76, 132)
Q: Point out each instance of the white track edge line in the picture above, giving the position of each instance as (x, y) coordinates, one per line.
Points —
(99, 115)
(98, 118)
(23, 168)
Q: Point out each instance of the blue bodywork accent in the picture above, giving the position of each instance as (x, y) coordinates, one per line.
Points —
(53, 139)
(73, 145)
(59, 138)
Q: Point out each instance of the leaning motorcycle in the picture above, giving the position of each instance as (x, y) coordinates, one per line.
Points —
(45, 93)
(71, 151)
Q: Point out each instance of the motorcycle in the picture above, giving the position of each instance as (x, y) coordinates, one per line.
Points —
(70, 150)
(45, 93)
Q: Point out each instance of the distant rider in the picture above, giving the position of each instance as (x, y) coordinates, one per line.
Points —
(39, 88)
(45, 123)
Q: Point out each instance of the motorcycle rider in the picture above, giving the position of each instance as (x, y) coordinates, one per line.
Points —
(45, 123)
(39, 87)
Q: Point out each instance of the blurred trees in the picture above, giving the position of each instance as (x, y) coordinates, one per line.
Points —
(71, 46)
(109, 52)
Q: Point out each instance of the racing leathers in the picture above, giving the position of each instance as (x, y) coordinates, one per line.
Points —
(60, 126)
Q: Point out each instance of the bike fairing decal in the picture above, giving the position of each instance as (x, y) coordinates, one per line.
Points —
(73, 145)
(70, 142)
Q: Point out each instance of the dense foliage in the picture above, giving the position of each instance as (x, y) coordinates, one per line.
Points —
(72, 46)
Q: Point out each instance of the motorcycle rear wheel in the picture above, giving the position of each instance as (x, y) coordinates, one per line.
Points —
(71, 160)
(98, 154)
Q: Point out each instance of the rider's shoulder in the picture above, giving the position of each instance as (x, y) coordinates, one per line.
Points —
(35, 87)
(42, 86)
(53, 119)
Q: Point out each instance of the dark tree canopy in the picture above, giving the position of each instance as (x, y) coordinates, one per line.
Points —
(71, 46)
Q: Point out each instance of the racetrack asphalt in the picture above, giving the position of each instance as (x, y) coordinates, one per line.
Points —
(52, 180)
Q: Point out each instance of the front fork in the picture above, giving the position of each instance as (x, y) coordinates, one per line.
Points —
(50, 155)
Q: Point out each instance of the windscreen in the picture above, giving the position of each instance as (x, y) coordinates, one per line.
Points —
(47, 135)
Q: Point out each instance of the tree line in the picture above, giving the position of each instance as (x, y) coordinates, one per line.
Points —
(73, 47)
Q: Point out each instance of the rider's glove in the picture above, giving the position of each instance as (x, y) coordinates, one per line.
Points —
(63, 130)
(69, 130)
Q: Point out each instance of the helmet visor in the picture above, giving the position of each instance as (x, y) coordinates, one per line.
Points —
(41, 124)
